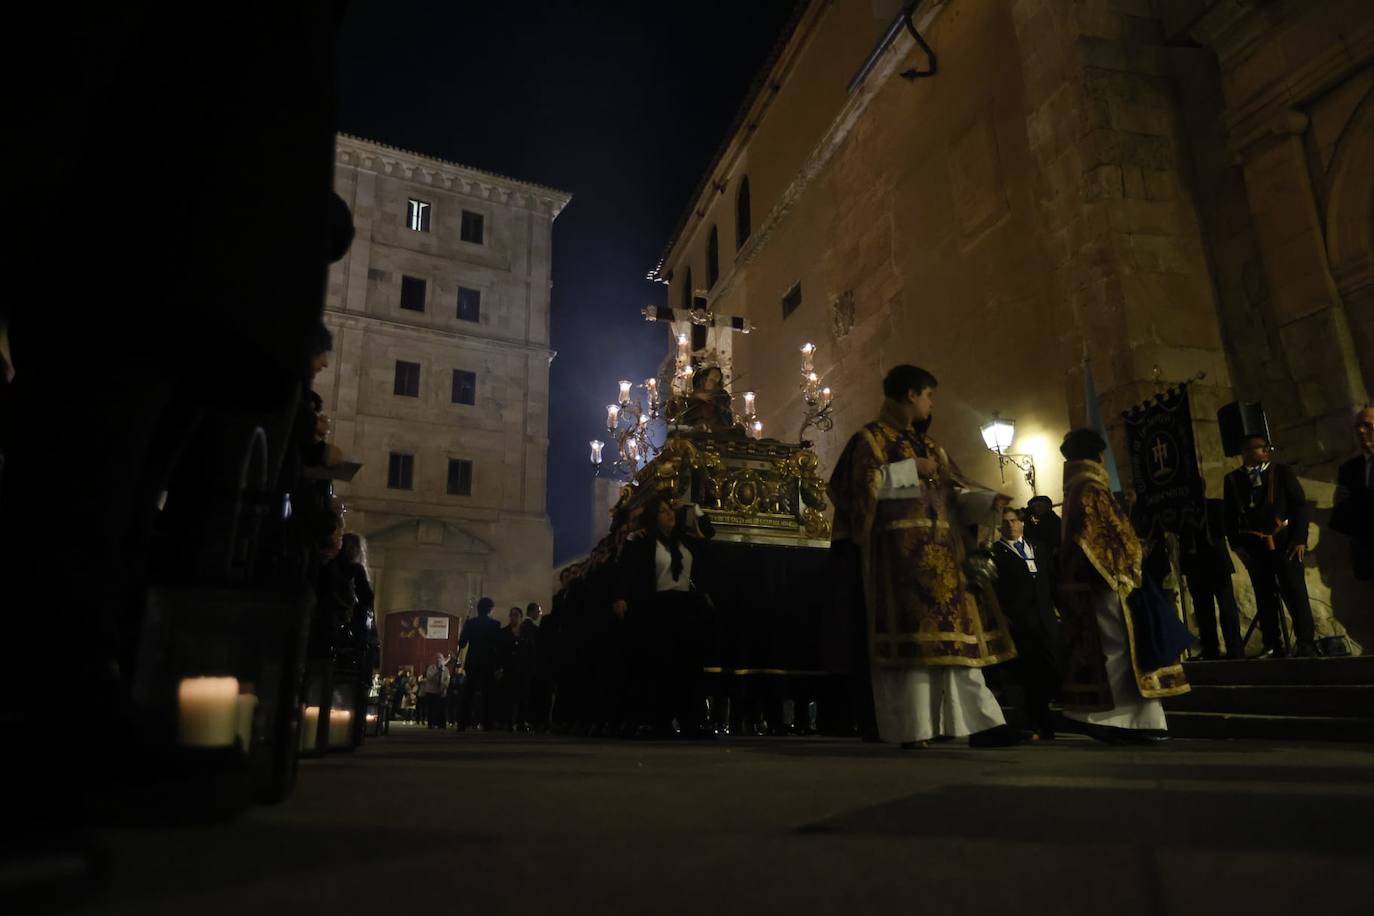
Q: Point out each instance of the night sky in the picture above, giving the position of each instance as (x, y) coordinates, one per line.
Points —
(621, 104)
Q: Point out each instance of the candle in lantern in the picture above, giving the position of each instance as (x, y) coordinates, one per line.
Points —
(247, 706)
(612, 416)
(624, 392)
(749, 410)
(340, 727)
(597, 446)
(207, 711)
(651, 386)
(808, 350)
(825, 397)
(310, 727)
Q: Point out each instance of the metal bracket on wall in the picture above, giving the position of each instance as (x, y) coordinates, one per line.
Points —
(914, 74)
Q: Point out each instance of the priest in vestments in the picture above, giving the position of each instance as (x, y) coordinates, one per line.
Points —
(1107, 688)
(899, 498)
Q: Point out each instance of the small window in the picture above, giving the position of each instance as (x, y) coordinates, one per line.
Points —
(459, 477)
(407, 379)
(464, 387)
(791, 300)
(413, 294)
(417, 215)
(712, 258)
(471, 229)
(742, 219)
(400, 472)
(469, 303)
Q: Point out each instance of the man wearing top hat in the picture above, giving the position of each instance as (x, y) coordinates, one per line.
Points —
(1266, 517)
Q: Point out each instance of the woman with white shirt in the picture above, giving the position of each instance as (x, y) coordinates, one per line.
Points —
(658, 597)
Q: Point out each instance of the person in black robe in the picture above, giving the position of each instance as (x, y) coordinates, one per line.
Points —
(1353, 514)
(1207, 568)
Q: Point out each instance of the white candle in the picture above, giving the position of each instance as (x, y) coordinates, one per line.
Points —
(624, 392)
(651, 386)
(825, 397)
(808, 350)
(749, 403)
(207, 711)
(310, 727)
(758, 429)
(597, 446)
(340, 727)
(247, 706)
(612, 416)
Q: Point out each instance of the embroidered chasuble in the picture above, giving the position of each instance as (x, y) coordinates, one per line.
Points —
(1101, 565)
(921, 610)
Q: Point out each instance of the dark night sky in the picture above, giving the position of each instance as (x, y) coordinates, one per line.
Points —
(621, 104)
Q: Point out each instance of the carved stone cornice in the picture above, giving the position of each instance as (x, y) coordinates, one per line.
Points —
(394, 162)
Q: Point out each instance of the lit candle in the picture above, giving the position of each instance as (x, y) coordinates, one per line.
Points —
(825, 397)
(247, 706)
(612, 416)
(758, 429)
(597, 446)
(749, 403)
(207, 711)
(310, 727)
(632, 451)
(624, 392)
(808, 351)
(643, 420)
(340, 727)
(651, 386)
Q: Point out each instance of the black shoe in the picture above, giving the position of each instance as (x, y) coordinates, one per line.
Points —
(1142, 736)
(1104, 733)
(1306, 650)
(997, 736)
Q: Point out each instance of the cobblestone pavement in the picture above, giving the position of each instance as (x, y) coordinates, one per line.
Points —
(475, 823)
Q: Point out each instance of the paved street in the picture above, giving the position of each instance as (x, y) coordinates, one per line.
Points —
(501, 824)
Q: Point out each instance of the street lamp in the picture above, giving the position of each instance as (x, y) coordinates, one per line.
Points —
(998, 434)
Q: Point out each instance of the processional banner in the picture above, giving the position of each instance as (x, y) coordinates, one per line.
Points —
(1169, 488)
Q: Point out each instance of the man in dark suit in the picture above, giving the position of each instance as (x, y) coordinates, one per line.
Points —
(1353, 515)
(1023, 591)
(481, 636)
(1207, 568)
(1266, 517)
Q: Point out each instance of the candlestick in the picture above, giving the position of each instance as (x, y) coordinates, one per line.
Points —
(808, 351)
(207, 711)
(597, 446)
(749, 410)
(612, 416)
(651, 386)
(825, 397)
(624, 392)
(247, 707)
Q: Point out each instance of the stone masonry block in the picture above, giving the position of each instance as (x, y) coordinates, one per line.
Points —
(1105, 181)
(1141, 119)
(1150, 217)
(1133, 181)
(1160, 184)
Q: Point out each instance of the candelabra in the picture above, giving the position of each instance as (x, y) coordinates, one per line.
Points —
(817, 400)
(628, 423)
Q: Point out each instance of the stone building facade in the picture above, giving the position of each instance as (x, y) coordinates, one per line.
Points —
(1144, 190)
(439, 379)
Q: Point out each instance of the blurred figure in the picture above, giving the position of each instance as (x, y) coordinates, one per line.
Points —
(432, 690)
(481, 637)
(1353, 515)
(1207, 568)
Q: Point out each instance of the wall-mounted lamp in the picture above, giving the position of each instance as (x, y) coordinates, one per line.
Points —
(998, 434)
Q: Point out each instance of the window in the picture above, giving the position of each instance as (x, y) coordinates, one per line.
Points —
(791, 300)
(400, 472)
(413, 294)
(407, 379)
(712, 258)
(742, 227)
(471, 229)
(469, 303)
(464, 387)
(459, 477)
(417, 215)
(687, 288)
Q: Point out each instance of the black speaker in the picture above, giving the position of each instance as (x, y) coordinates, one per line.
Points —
(1240, 420)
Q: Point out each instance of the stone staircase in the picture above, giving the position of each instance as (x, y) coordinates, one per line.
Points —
(1304, 699)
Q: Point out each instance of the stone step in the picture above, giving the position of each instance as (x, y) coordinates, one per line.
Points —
(1274, 672)
(1288, 700)
(1270, 728)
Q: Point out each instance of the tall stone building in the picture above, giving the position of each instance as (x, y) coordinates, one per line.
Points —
(1140, 189)
(439, 379)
